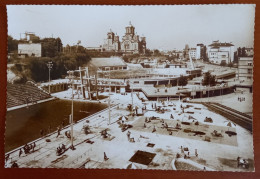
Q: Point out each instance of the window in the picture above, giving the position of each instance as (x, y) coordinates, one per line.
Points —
(249, 63)
(249, 71)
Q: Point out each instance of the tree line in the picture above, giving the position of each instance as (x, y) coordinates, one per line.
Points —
(51, 47)
(35, 68)
(241, 52)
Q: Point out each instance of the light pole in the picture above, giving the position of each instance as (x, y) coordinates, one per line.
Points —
(109, 113)
(132, 95)
(208, 93)
(107, 75)
(222, 92)
(49, 65)
(71, 77)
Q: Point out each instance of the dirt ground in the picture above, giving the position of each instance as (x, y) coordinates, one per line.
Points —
(207, 129)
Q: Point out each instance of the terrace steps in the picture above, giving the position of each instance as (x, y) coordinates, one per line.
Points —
(19, 94)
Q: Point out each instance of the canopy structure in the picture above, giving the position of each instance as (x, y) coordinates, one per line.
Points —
(131, 166)
(123, 118)
(181, 94)
(230, 124)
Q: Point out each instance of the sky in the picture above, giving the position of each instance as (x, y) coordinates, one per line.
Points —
(165, 27)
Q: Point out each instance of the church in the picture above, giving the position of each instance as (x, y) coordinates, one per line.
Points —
(131, 42)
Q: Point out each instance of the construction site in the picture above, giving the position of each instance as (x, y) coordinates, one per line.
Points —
(146, 121)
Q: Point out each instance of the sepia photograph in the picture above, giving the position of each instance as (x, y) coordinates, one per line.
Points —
(154, 87)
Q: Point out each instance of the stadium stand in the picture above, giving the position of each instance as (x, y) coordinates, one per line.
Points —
(19, 94)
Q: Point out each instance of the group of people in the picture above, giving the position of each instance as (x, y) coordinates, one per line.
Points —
(27, 148)
(61, 149)
(187, 154)
(240, 99)
(242, 162)
(147, 120)
(164, 124)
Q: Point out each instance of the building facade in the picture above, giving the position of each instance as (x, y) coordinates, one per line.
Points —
(245, 68)
(131, 42)
(109, 64)
(201, 51)
(30, 50)
(218, 52)
(192, 53)
(112, 42)
(249, 52)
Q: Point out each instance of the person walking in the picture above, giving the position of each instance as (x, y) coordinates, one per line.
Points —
(196, 153)
(20, 152)
(58, 131)
(33, 146)
(105, 156)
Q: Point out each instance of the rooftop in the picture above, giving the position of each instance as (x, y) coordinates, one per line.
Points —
(106, 62)
(218, 44)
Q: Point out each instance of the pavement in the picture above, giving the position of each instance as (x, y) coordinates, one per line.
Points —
(119, 149)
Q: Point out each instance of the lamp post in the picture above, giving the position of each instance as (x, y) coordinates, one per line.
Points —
(208, 93)
(132, 94)
(106, 74)
(109, 83)
(49, 65)
(71, 77)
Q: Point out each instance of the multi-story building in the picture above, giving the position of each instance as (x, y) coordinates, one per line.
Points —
(192, 53)
(201, 51)
(30, 50)
(218, 52)
(245, 68)
(131, 42)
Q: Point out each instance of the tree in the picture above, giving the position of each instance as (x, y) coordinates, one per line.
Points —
(223, 63)
(230, 64)
(239, 52)
(235, 57)
(148, 52)
(204, 55)
(156, 52)
(243, 53)
(12, 44)
(51, 47)
(212, 80)
(38, 69)
(209, 79)
(183, 81)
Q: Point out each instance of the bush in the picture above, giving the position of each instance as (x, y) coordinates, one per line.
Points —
(209, 79)
(223, 63)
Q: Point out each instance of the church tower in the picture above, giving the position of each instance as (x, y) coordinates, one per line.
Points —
(130, 30)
